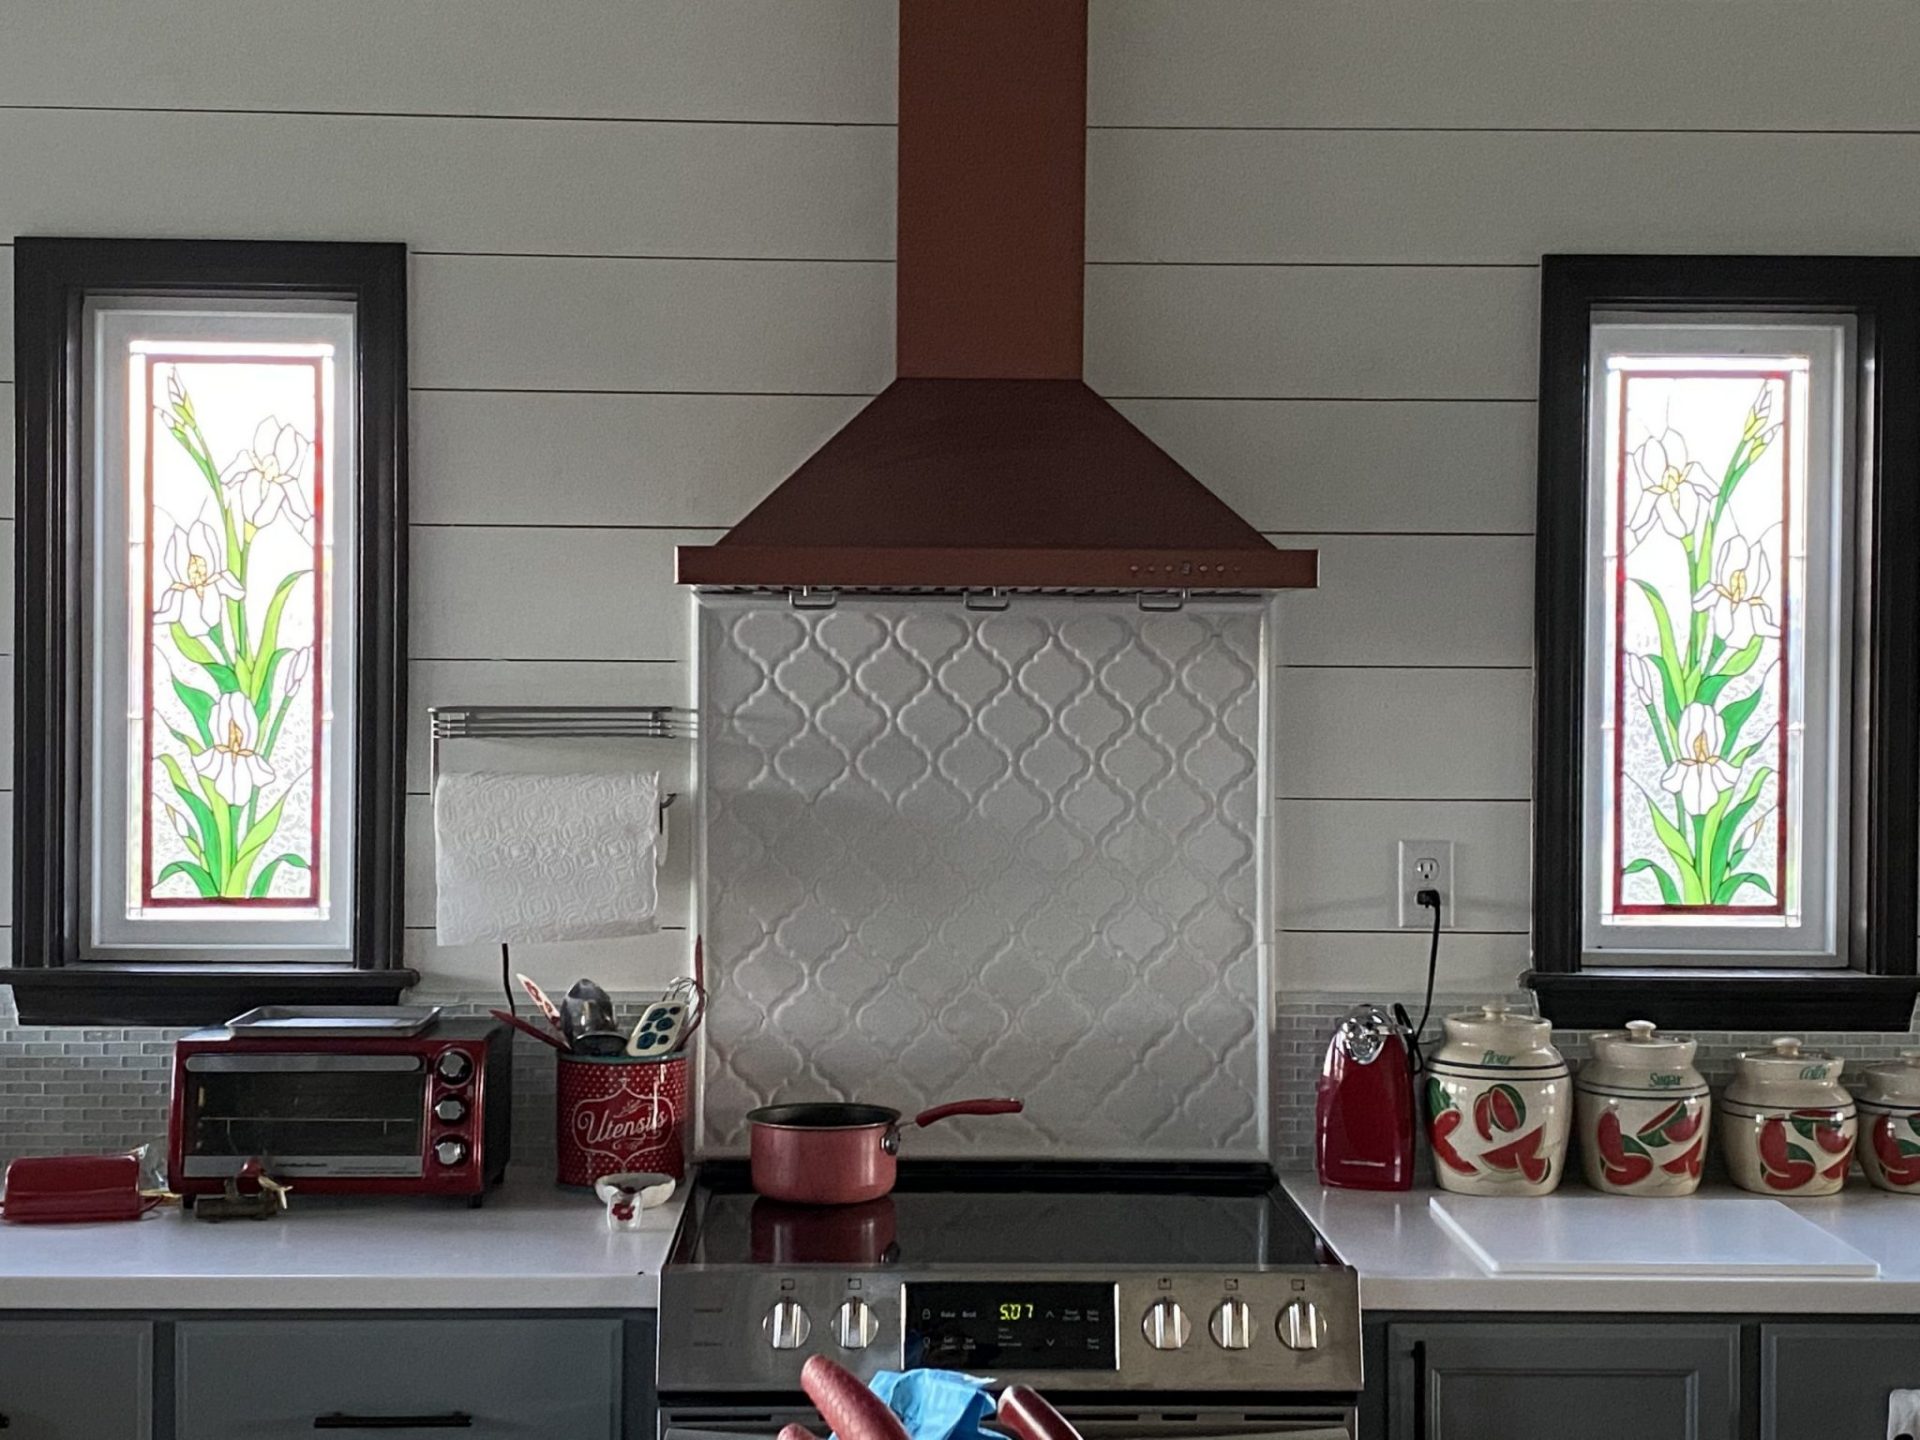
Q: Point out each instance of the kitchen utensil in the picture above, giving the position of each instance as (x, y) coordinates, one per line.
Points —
(44, 1188)
(540, 1000)
(545, 1037)
(1363, 1109)
(838, 1154)
(1786, 1125)
(1889, 1106)
(586, 1010)
(1498, 1107)
(335, 1021)
(627, 1195)
(842, 1235)
(1643, 1112)
(659, 1028)
(1581, 1234)
(251, 1195)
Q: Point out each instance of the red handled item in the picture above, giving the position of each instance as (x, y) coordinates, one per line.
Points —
(834, 1153)
(57, 1188)
(1030, 1417)
(968, 1107)
(851, 1410)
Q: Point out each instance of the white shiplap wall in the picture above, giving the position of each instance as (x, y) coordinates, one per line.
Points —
(653, 243)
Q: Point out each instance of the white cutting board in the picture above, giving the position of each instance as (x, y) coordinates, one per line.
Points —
(1619, 1235)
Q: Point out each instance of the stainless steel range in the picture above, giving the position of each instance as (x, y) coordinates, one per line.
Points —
(1147, 1302)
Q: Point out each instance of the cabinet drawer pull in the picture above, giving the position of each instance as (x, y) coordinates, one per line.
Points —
(338, 1420)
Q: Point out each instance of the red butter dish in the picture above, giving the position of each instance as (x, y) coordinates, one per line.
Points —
(75, 1187)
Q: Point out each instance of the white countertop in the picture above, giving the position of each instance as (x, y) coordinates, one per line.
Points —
(531, 1246)
(1407, 1261)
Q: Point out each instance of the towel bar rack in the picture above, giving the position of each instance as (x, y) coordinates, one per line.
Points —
(557, 722)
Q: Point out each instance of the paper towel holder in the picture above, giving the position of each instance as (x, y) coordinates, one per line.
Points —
(558, 722)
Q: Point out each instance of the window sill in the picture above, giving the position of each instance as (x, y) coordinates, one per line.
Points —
(1785, 1001)
(101, 994)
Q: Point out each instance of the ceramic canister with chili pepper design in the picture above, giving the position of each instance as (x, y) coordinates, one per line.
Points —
(1643, 1112)
(1498, 1105)
(1786, 1125)
(1889, 1105)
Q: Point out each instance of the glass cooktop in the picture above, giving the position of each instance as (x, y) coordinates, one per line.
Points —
(964, 1214)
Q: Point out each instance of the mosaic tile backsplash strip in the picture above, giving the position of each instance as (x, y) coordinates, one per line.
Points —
(106, 1089)
(954, 852)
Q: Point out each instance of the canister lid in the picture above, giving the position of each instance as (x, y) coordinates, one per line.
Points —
(1496, 1016)
(1644, 1043)
(1894, 1082)
(1785, 1059)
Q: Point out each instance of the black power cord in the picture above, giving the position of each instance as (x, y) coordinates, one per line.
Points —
(1428, 899)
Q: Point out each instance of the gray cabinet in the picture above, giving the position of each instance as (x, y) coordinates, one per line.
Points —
(1830, 1380)
(76, 1379)
(489, 1379)
(1576, 1381)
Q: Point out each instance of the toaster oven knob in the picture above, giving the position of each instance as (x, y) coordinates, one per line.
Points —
(855, 1325)
(787, 1325)
(453, 1066)
(450, 1111)
(1231, 1325)
(1301, 1326)
(1165, 1325)
(450, 1151)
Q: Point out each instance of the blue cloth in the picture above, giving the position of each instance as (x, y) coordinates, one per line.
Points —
(937, 1404)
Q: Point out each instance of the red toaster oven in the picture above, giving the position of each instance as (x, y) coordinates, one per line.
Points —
(425, 1114)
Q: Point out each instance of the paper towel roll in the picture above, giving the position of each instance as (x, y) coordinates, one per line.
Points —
(524, 857)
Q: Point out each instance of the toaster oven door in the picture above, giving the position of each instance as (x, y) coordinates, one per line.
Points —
(316, 1114)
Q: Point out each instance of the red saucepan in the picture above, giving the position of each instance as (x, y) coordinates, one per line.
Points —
(835, 1154)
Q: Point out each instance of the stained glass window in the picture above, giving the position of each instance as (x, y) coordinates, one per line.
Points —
(220, 812)
(1716, 485)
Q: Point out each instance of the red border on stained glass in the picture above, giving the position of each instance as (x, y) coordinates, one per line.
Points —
(311, 900)
(1779, 903)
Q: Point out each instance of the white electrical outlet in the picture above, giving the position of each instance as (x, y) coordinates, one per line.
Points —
(1425, 865)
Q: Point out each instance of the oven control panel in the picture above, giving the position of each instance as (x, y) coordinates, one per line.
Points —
(727, 1329)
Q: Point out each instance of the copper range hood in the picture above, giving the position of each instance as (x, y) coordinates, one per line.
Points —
(988, 465)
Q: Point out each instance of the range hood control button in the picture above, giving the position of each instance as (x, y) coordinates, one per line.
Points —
(787, 1325)
(1165, 1325)
(1231, 1325)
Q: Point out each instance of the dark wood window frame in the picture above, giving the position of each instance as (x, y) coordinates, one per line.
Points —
(1879, 922)
(53, 981)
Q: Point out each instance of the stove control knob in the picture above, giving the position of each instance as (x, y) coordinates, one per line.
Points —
(787, 1325)
(1231, 1325)
(450, 1111)
(453, 1066)
(1165, 1325)
(450, 1151)
(1301, 1326)
(855, 1325)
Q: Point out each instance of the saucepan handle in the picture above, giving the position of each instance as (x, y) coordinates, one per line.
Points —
(969, 1107)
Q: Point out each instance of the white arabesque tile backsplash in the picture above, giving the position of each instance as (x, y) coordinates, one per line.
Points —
(955, 852)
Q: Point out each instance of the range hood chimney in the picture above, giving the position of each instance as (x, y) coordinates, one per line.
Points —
(988, 464)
